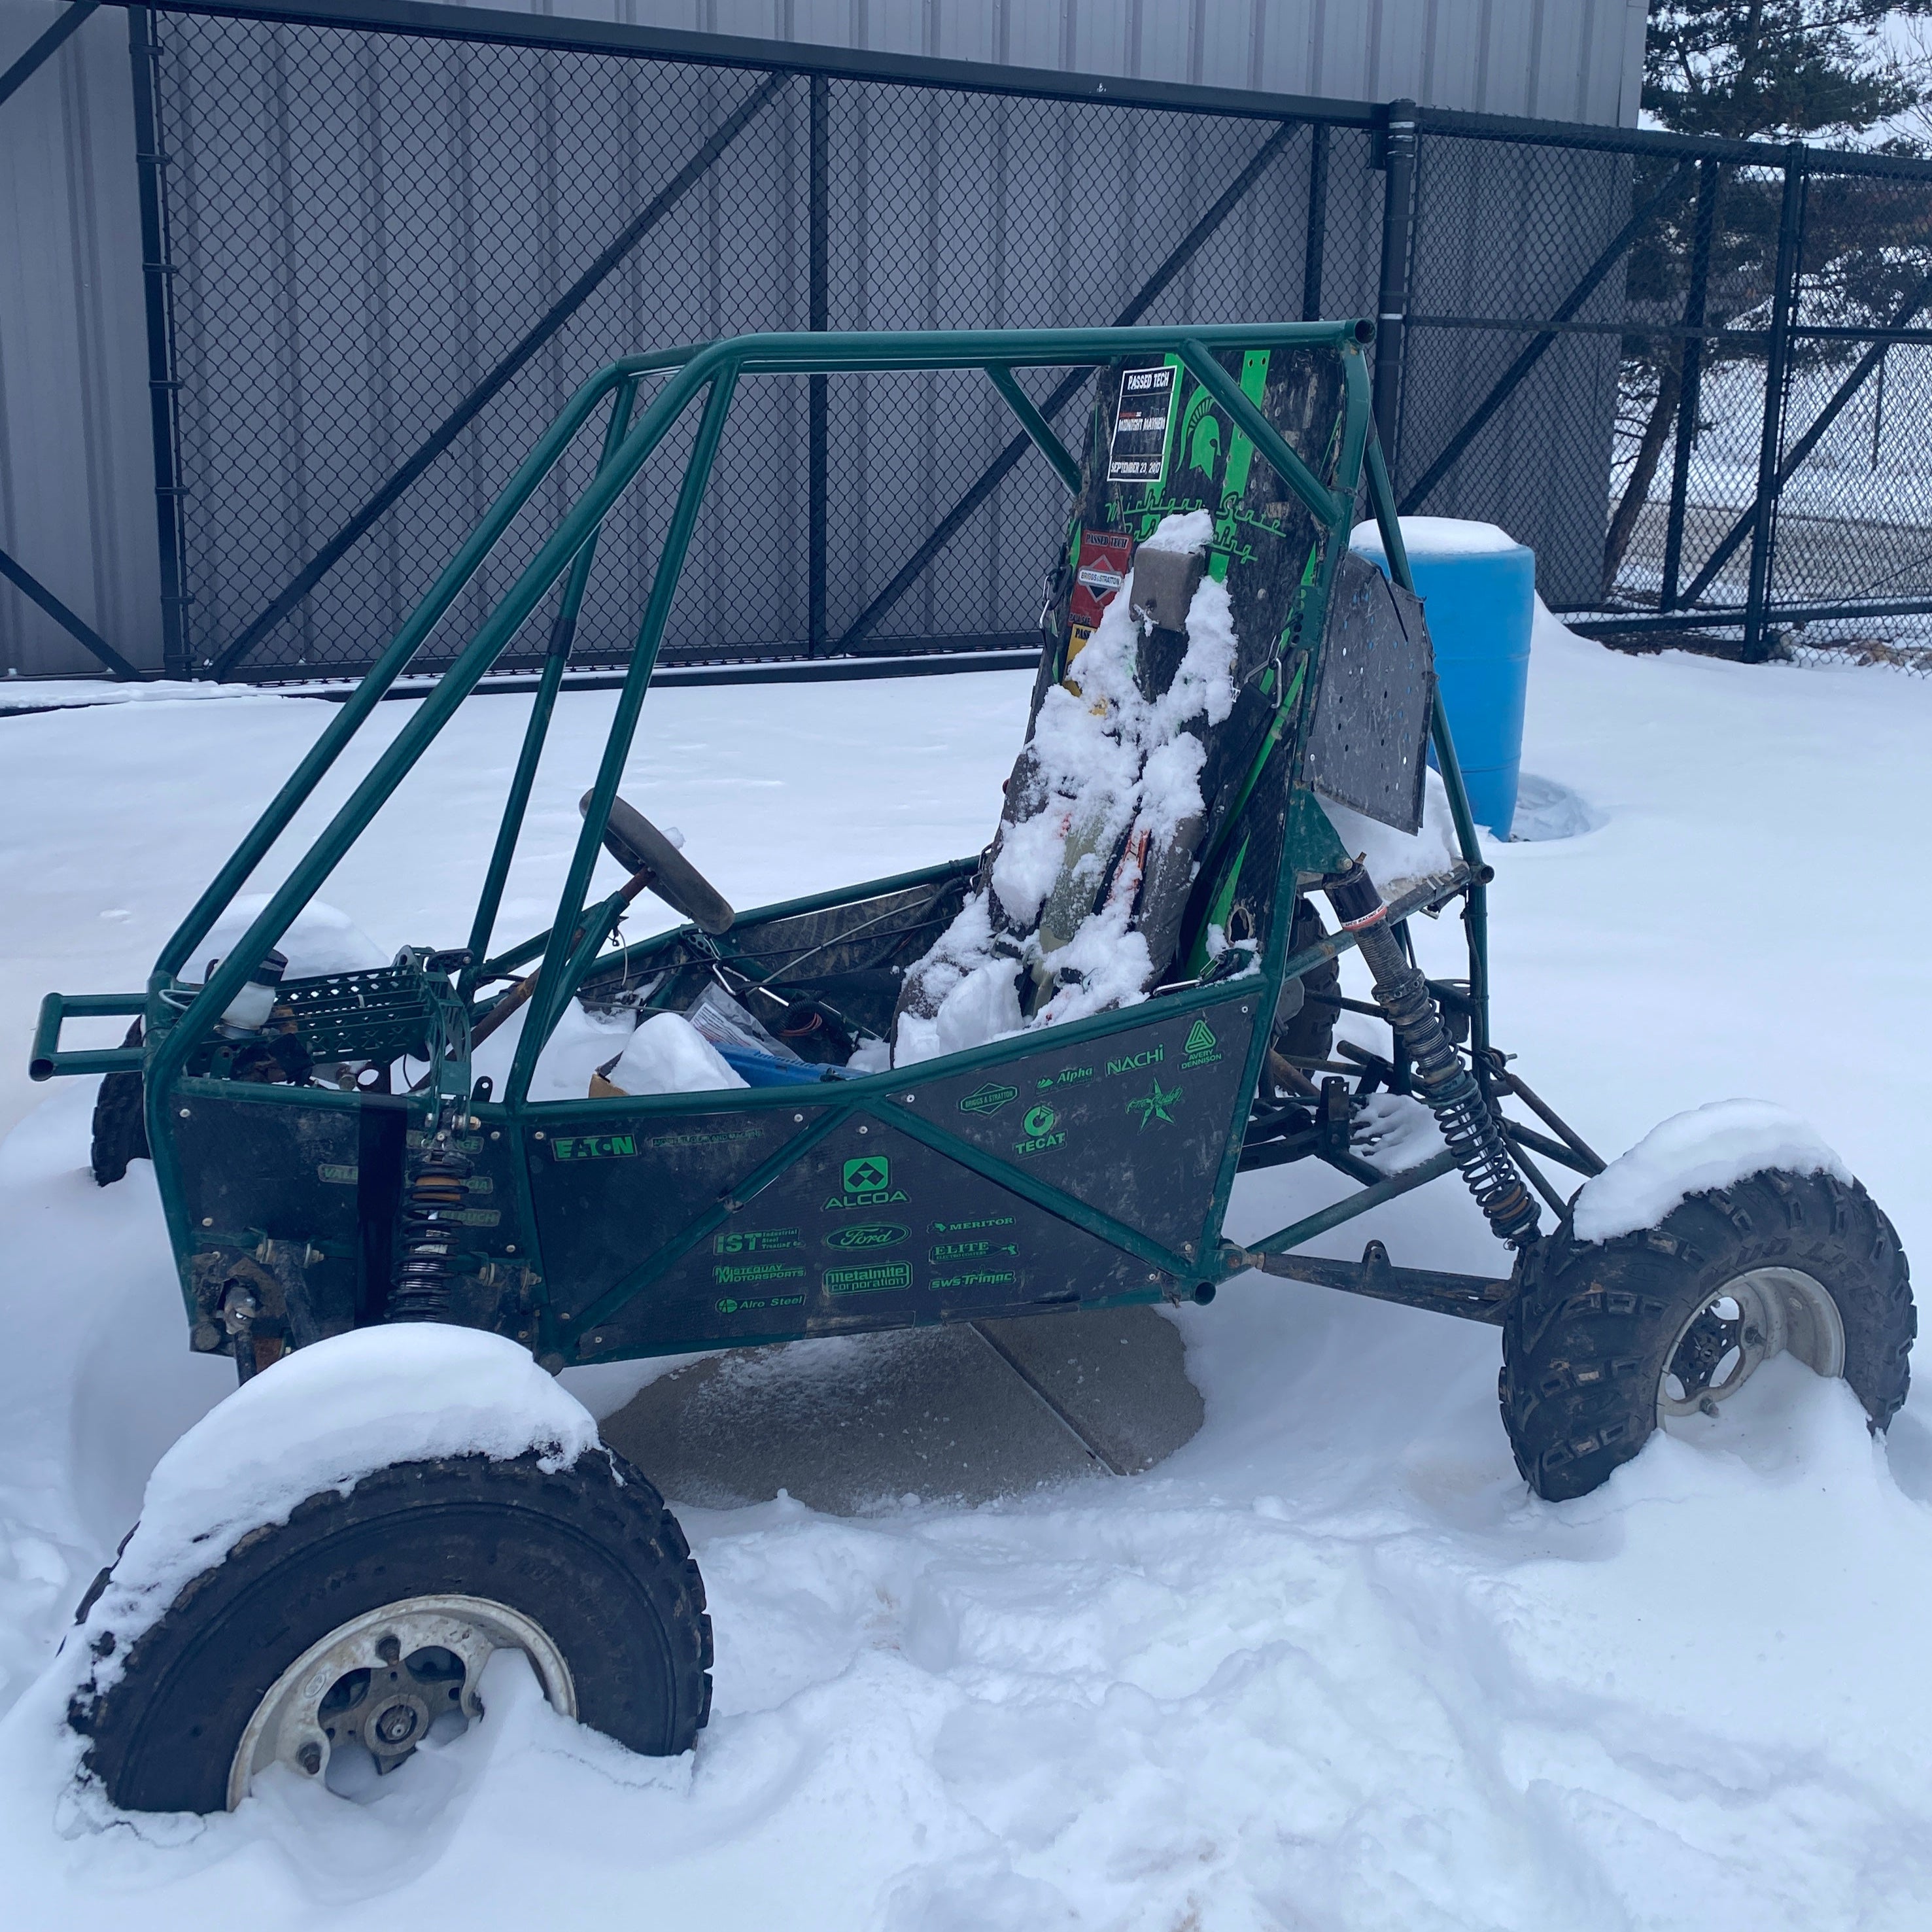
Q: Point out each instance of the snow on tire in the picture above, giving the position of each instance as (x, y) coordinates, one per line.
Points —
(365, 1618)
(1605, 1339)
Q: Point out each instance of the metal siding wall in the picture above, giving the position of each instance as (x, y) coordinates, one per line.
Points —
(76, 464)
(1562, 60)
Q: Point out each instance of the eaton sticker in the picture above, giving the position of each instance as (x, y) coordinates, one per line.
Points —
(593, 1147)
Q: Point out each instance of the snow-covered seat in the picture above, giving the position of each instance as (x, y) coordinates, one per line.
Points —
(1144, 820)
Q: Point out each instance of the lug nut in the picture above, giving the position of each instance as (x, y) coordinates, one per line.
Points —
(310, 1757)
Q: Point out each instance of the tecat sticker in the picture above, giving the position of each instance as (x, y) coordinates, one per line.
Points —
(1039, 1127)
(1138, 451)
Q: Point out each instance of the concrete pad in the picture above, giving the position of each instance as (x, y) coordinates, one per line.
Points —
(849, 1423)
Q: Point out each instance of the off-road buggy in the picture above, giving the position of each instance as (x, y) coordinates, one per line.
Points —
(1020, 1082)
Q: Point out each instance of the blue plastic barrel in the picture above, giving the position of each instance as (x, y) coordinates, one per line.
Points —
(1478, 587)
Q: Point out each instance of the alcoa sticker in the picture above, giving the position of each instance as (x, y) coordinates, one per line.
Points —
(868, 1183)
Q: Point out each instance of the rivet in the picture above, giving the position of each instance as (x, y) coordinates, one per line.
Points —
(865, 1130)
(208, 1220)
(539, 1133)
(509, 1247)
(184, 1113)
(495, 1134)
(564, 1318)
(798, 1116)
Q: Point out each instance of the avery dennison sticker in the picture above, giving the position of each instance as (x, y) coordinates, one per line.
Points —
(880, 1276)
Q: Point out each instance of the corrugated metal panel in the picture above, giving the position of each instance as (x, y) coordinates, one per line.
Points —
(77, 465)
(1558, 60)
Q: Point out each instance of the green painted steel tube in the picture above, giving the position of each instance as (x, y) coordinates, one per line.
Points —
(48, 1058)
(530, 755)
(1352, 1205)
(553, 987)
(1036, 426)
(307, 875)
(1476, 917)
(1330, 509)
(320, 756)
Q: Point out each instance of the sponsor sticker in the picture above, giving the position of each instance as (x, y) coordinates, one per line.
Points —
(974, 1278)
(754, 1240)
(877, 1278)
(341, 1176)
(989, 1098)
(1098, 571)
(733, 1304)
(593, 1147)
(1156, 1104)
(1038, 1130)
(1138, 453)
(1200, 1048)
(868, 1183)
(730, 1273)
(1136, 1062)
(868, 1234)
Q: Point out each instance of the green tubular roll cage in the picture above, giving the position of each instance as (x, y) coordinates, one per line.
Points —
(705, 377)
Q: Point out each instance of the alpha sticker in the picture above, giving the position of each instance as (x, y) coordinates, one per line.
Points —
(754, 1240)
(880, 1277)
(1067, 1076)
(1138, 451)
(1038, 1127)
(593, 1147)
(989, 1098)
(868, 1234)
(1153, 1104)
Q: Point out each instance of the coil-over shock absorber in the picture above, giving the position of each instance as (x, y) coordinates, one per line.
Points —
(437, 1181)
(1447, 1086)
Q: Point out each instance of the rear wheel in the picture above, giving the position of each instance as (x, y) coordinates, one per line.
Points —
(1607, 1342)
(337, 1642)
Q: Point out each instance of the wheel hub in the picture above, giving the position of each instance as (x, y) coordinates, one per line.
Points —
(384, 1679)
(1763, 1312)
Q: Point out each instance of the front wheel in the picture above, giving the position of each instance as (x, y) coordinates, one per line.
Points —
(336, 1642)
(1607, 1342)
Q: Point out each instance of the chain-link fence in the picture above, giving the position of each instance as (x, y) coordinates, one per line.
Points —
(380, 260)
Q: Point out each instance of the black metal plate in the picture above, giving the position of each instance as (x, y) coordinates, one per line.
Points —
(1368, 740)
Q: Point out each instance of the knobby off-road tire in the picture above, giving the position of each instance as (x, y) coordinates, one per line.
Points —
(587, 1560)
(1595, 1326)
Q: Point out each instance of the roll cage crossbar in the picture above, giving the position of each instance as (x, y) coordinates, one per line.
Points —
(704, 378)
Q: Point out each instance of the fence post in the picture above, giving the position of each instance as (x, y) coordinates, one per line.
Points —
(1392, 303)
(1690, 387)
(1317, 222)
(144, 54)
(818, 459)
(1777, 366)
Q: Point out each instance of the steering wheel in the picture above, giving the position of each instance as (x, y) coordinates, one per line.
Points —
(657, 865)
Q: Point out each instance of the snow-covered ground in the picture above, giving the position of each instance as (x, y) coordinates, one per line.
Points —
(1329, 1666)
